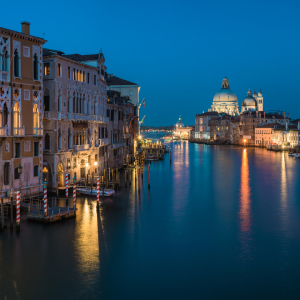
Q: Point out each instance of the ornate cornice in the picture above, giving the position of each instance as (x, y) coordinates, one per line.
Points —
(23, 36)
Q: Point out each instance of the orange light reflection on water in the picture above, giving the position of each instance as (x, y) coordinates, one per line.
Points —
(245, 192)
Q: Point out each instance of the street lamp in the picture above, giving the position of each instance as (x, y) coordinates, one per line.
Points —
(244, 142)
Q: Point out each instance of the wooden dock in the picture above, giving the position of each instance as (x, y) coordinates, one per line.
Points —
(54, 214)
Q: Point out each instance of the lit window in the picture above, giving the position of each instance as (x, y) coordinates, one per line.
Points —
(46, 69)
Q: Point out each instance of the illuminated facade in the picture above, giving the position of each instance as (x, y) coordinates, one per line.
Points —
(21, 129)
(76, 135)
(225, 100)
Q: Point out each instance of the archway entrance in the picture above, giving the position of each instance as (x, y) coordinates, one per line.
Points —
(60, 174)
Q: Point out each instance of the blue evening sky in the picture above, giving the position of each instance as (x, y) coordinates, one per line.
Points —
(179, 51)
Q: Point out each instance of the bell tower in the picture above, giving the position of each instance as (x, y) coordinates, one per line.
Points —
(260, 101)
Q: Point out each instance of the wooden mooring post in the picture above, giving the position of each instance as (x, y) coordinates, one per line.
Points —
(149, 176)
(11, 209)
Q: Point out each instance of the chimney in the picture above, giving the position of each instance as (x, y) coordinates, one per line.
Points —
(284, 114)
(286, 125)
(299, 125)
(264, 114)
(25, 27)
(288, 115)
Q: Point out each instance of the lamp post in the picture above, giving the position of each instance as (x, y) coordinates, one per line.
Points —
(244, 142)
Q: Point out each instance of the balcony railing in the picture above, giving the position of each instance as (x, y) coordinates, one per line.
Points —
(117, 145)
(83, 147)
(19, 131)
(38, 131)
(71, 116)
(4, 76)
(103, 142)
(60, 115)
(47, 115)
(4, 131)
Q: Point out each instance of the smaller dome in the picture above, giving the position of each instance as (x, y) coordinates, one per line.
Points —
(254, 94)
(249, 100)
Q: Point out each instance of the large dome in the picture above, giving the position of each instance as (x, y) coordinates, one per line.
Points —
(225, 95)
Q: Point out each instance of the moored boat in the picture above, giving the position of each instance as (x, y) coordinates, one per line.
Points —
(87, 191)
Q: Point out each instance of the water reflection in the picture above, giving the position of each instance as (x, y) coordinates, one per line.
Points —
(87, 239)
(245, 201)
(283, 192)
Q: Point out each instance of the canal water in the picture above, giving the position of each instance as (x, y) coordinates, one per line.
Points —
(220, 222)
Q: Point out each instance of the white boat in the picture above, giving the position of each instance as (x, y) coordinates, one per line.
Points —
(87, 191)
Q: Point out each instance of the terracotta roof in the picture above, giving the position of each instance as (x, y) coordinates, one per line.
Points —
(114, 80)
(209, 113)
(79, 57)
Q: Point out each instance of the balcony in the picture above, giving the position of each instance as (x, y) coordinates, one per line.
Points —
(117, 145)
(60, 115)
(38, 131)
(19, 131)
(47, 115)
(4, 131)
(83, 147)
(71, 116)
(103, 142)
(4, 76)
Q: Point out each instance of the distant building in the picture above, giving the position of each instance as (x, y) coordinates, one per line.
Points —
(202, 125)
(277, 135)
(181, 131)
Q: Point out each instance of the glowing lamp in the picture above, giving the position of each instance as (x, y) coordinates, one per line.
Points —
(86, 164)
(95, 163)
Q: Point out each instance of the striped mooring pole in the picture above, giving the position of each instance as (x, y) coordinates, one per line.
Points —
(18, 210)
(74, 194)
(45, 198)
(98, 191)
(67, 185)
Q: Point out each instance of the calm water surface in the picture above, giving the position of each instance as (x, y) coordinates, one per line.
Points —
(220, 222)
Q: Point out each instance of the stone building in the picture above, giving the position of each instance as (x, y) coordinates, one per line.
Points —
(116, 129)
(21, 92)
(202, 125)
(225, 100)
(76, 127)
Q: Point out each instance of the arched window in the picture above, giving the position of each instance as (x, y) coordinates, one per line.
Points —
(69, 103)
(47, 141)
(59, 140)
(84, 105)
(16, 64)
(89, 106)
(16, 115)
(59, 107)
(46, 100)
(35, 67)
(74, 103)
(36, 116)
(69, 139)
(36, 171)
(5, 61)
(4, 119)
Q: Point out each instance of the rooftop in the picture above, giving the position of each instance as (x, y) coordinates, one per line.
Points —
(114, 80)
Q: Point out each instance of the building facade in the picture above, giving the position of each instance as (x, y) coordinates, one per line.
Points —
(21, 93)
(76, 127)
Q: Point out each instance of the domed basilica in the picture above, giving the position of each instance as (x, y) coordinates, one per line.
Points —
(225, 100)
